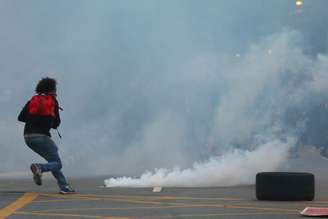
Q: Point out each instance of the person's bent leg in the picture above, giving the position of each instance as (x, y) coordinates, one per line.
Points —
(46, 148)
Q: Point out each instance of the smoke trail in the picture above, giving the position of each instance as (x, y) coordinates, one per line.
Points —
(237, 167)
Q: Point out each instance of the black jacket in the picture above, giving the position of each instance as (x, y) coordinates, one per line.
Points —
(39, 124)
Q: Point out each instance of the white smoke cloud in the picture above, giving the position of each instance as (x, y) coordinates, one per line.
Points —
(257, 88)
(260, 89)
(237, 167)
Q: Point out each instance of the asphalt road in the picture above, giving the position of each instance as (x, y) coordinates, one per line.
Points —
(22, 199)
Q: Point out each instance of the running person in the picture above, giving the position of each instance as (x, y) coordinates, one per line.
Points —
(40, 114)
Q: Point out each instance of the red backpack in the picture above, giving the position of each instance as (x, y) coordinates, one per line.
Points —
(42, 105)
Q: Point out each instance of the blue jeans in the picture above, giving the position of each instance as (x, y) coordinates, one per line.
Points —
(46, 148)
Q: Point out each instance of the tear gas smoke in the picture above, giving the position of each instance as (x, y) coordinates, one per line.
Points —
(255, 108)
(234, 168)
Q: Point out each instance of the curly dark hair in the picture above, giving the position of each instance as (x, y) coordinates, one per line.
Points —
(46, 85)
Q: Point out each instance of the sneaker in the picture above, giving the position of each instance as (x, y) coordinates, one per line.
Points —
(67, 190)
(37, 174)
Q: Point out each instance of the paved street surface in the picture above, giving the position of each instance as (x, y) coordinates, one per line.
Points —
(21, 199)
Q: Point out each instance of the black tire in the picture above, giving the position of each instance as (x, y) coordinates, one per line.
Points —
(284, 186)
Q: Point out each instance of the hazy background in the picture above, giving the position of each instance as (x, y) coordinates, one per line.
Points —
(167, 84)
